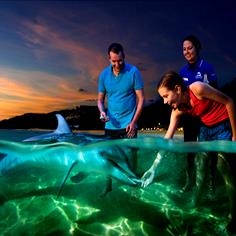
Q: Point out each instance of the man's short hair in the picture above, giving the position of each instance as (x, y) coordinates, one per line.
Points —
(116, 48)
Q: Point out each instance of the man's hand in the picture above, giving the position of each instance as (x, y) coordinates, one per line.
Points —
(104, 117)
(131, 130)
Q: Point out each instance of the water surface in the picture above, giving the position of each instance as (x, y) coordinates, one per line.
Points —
(28, 192)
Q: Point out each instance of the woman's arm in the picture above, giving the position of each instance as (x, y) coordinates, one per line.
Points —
(174, 121)
(149, 175)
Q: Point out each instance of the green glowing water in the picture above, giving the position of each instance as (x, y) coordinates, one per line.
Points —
(28, 203)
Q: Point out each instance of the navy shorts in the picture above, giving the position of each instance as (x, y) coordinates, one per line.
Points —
(220, 131)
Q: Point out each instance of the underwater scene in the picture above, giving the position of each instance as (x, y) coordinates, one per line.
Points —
(84, 184)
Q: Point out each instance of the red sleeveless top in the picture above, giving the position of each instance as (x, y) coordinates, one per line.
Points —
(209, 111)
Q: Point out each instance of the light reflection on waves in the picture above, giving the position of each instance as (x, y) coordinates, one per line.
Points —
(126, 209)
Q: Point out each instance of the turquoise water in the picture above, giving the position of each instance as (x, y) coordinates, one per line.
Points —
(32, 174)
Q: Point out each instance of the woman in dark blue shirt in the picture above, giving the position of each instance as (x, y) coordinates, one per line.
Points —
(196, 69)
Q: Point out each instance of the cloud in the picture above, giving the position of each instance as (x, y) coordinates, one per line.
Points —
(45, 41)
(52, 54)
(82, 90)
(45, 88)
(32, 91)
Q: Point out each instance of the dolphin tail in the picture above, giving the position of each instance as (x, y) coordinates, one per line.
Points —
(66, 177)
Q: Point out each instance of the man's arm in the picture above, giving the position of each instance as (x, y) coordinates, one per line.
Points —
(140, 101)
(101, 107)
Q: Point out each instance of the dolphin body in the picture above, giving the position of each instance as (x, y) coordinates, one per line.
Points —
(88, 159)
(112, 162)
(107, 158)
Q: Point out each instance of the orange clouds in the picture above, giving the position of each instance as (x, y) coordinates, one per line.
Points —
(24, 91)
(65, 70)
(38, 93)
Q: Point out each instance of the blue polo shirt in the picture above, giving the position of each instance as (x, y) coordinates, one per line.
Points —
(121, 96)
(199, 71)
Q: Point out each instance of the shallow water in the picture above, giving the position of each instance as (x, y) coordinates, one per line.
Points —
(32, 178)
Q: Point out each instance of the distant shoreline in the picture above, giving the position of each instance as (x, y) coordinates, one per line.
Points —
(99, 131)
(22, 134)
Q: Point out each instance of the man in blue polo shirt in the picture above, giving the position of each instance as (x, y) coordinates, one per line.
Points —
(122, 84)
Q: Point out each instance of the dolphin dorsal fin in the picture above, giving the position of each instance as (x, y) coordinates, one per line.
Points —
(62, 127)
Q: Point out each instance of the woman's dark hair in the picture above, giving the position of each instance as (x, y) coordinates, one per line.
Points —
(195, 41)
(170, 79)
(116, 48)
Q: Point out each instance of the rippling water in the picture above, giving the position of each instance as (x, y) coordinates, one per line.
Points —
(32, 174)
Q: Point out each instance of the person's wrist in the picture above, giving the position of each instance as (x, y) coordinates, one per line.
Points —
(101, 115)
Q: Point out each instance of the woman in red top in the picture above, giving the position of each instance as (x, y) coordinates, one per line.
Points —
(202, 100)
(217, 114)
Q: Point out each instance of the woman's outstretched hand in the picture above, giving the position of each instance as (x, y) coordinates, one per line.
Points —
(148, 177)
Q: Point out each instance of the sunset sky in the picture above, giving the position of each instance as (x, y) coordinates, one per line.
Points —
(51, 52)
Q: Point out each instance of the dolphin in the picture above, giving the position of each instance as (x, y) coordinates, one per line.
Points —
(61, 130)
(86, 159)
(63, 133)
(69, 152)
(14, 157)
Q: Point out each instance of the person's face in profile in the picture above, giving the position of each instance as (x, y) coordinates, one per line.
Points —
(117, 61)
(171, 97)
(190, 52)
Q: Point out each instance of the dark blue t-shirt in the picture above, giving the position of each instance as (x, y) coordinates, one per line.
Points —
(199, 71)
